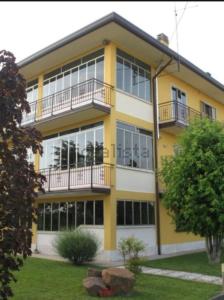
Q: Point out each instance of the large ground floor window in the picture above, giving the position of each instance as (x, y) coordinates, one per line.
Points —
(59, 216)
(135, 213)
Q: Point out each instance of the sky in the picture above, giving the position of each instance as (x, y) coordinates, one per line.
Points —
(26, 27)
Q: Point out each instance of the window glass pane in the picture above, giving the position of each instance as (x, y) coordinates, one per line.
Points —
(134, 80)
(52, 86)
(80, 213)
(142, 81)
(64, 154)
(151, 213)
(59, 82)
(147, 87)
(91, 70)
(127, 76)
(128, 149)
(128, 212)
(81, 149)
(72, 152)
(47, 216)
(89, 148)
(56, 154)
(119, 73)
(137, 213)
(99, 212)
(35, 93)
(40, 217)
(120, 146)
(120, 213)
(82, 73)
(71, 215)
(74, 76)
(136, 150)
(149, 153)
(55, 216)
(63, 216)
(143, 150)
(144, 213)
(89, 212)
(46, 89)
(174, 94)
(99, 68)
(99, 146)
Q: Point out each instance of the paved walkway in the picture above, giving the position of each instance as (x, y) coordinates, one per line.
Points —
(183, 275)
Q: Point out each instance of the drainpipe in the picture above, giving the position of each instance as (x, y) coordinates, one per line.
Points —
(155, 146)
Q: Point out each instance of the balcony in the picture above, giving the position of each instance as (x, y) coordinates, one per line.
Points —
(86, 100)
(83, 180)
(173, 116)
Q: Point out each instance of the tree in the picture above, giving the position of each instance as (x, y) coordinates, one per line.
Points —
(194, 180)
(19, 183)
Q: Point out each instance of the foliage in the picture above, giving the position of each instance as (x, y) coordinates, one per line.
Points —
(78, 246)
(19, 183)
(194, 180)
(130, 248)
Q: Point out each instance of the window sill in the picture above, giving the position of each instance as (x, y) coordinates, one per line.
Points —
(135, 169)
(133, 96)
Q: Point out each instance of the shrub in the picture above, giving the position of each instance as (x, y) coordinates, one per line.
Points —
(78, 246)
(130, 248)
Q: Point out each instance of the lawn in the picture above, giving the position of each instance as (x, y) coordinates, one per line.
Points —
(195, 262)
(51, 280)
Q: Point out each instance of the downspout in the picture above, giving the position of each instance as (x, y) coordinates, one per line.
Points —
(155, 148)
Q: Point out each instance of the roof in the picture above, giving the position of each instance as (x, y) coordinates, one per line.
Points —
(114, 17)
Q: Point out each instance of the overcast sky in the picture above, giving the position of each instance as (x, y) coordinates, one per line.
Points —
(26, 27)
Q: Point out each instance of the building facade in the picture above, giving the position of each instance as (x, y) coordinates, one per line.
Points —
(102, 105)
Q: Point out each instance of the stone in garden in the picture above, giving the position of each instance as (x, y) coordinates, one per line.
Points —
(94, 272)
(120, 281)
(93, 285)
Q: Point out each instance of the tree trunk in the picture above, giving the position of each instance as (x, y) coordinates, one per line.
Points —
(214, 248)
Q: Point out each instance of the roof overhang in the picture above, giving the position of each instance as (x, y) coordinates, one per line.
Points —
(114, 28)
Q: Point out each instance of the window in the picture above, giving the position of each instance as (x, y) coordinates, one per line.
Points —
(60, 216)
(135, 213)
(133, 76)
(88, 67)
(134, 147)
(208, 111)
(178, 95)
(79, 148)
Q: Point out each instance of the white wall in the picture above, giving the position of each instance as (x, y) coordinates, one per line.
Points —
(45, 239)
(175, 248)
(134, 107)
(147, 234)
(135, 180)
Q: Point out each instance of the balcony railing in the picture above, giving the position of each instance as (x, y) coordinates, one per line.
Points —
(175, 111)
(92, 91)
(93, 177)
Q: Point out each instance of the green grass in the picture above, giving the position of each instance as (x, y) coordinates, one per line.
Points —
(51, 280)
(195, 262)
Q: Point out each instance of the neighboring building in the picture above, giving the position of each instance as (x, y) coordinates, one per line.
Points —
(91, 96)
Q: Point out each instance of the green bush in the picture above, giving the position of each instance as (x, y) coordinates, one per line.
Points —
(78, 246)
(130, 249)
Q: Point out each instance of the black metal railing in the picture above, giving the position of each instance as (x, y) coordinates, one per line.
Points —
(71, 178)
(90, 91)
(174, 111)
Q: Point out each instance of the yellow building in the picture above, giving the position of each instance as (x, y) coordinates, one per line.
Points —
(110, 100)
